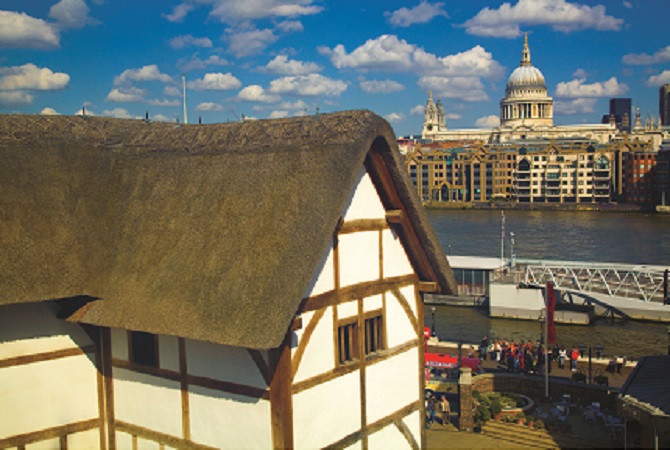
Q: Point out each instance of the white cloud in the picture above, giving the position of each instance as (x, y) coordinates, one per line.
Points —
(8, 98)
(627, 4)
(643, 59)
(659, 80)
(380, 86)
(310, 85)
(577, 88)
(422, 13)
(162, 118)
(576, 106)
(49, 112)
(298, 105)
(394, 117)
(209, 106)
(188, 40)
(119, 113)
(488, 122)
(469, 89)
(560, 15)
(580, 74)
(164, 102)
(387, 52)
(81, 111)
(172, 91)
(233, 11)
(290, 26)
(249, 42)
(256, 93)
(454, 116)
(31, 77)
(195, 63)
(71, 14)
(19, 30)
(179, 12)
(146, 73)
(281, 65)
(215, 82)
(278, 114)
(418, 110)
(126, 94)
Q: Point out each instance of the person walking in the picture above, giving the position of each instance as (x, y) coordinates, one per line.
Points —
(445, 408)
(574, 356)
(562, 356)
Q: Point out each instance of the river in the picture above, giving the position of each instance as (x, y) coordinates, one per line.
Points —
(632, 238)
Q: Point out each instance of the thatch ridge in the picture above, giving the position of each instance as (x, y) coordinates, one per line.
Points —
(210, 232)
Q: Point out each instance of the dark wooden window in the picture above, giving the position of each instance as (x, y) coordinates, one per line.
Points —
(347, 338)
(143, 348)
(374, 334)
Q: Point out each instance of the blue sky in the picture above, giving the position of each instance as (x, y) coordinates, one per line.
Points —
(281, 58)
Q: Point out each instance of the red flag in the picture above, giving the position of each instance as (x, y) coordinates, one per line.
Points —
(550, 302)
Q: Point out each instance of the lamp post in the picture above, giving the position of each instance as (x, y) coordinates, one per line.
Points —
(598, 348)
(432, 327)
(512, 255)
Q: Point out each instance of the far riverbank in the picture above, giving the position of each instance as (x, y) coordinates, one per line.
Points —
(600, 207)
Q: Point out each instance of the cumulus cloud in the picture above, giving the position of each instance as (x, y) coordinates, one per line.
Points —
(179, 12)
(164, 102)
(454, 116)
(209, 106)
(577, 88)
(576, 106)
(249, 42)
(418, 110)
(215, 82)
(394, 117)
(11, 98)
(308, 85)
(71, 14)
(172, 91)
(188, 40)
(31, 77)
(233, 11)
(290, 26)
(643, 59)
(659, 80)
(281, 65)
(126, 94)
(280, 114)
(49, 112)
(256, 93)
(119, 113)
(195, 63)
(146, 73)
(468, 89)
(380, 86)
(422, 13)
(19, 30)
(488, 122)
(560, 15)
(387, 52)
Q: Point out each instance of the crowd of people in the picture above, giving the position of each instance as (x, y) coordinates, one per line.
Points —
(525, 356)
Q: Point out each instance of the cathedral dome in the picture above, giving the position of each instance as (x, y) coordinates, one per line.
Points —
(526, 76)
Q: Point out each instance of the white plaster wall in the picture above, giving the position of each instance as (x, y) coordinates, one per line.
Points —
(47, 444)
(355, 446)
(347, 309)
(222, 362)
(392, 384)
(327, 413)
(388, 437)
(145, 444)
(83, 440)
(123, 440)
(119, 338)
(33, 328)
(47, 394)
(373, 303)
(359, 257)
(396, 262)
(168, 352)
(227, 420)
(364, 202)
(413, 422)
(324, 278)
(399, 329)
(319, 354)
(147, 401)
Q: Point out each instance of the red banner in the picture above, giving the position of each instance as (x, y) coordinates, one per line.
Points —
(550, 303)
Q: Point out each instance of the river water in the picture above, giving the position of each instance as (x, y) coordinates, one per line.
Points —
(632, 238)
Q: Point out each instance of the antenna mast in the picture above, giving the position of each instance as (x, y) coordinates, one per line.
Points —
(183, 88)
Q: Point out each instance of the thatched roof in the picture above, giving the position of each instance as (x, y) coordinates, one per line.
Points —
(210, 232)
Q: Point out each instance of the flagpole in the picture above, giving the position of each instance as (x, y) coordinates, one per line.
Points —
(546, 348)
(502, 239)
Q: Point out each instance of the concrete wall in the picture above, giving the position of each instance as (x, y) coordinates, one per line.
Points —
(508, 300)
(46, 381)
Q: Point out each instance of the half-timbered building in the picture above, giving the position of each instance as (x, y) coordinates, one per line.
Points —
(247, 285)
